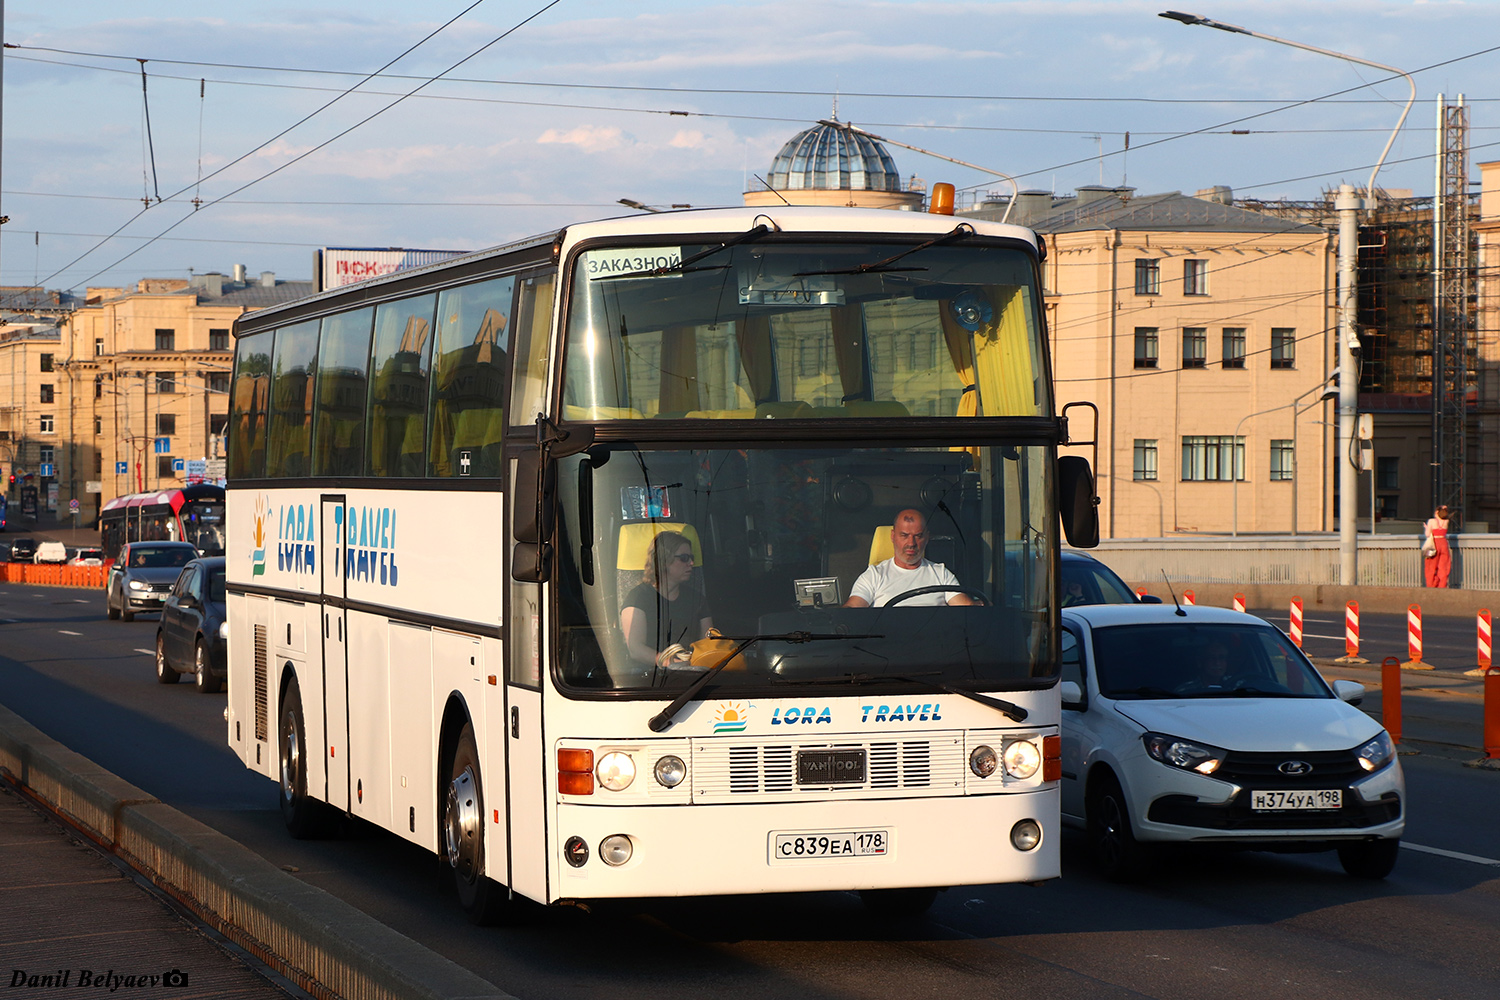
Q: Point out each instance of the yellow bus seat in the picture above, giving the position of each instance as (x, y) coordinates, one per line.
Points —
(881, 547)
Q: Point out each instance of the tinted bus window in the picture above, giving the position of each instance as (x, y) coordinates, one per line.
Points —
(468, 369)
(398, 391)
(343, 390)
(249, 399)
(290, 438)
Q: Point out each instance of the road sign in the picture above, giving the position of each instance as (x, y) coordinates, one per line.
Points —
(196, 467)
(216, 468)
(47, 469)
(73, 505)
(164, 446)
(177, 464)
(93, 486)
(121, 469)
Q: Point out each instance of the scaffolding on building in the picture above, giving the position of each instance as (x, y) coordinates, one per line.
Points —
(1453, 310)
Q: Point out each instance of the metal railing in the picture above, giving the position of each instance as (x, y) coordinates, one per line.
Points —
(1384, 560)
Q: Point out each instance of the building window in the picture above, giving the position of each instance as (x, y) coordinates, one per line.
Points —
(1283, 347)
(46, 454)
(1388, 473)
(46, 360)
(48, 424)
(1194, 346)
(1145, 459)
(98, 425)
(1281, 460)
(164, 467)
(46, 392)
(1145, 347)
(1147, 277)
(166, 424)
(1234, 347)
(98, 386)
(217, 422)
(166, 382)
(1213, 458)
(98, 346)
(218, 382)
(166, 340)
(1195, 277)
(218, 340)
(98, 462)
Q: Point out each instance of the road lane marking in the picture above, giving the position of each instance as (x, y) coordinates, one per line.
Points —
(148, 652)
(1455, 855)
(63, 631)
(1310, 635)
(79, 600)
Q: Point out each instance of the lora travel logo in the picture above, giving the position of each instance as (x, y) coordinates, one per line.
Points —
(258, 554)
(731, 717)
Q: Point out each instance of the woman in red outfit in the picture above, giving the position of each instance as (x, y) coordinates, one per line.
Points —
(1435, 548)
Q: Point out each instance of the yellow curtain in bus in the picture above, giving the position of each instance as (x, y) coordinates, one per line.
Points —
(679, 369)
(995, 361)
(961, 351)
(754, 336)
(849, 350)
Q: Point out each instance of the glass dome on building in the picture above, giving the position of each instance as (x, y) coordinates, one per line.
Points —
(829, 158)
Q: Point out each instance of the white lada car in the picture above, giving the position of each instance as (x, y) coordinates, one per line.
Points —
(1206, 726)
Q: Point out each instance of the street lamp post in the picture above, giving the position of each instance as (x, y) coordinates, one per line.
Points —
(1347, 205)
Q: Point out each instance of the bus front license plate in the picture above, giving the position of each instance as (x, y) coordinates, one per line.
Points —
(842, 844)
(1297, 801)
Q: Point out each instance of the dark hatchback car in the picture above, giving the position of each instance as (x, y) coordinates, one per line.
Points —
(193, 630)
(142, 577)
(1086, 580)
(23, 550)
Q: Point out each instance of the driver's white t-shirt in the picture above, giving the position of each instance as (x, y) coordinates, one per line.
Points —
(884, 580)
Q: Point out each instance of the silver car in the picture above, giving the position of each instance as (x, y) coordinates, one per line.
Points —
(142, 577)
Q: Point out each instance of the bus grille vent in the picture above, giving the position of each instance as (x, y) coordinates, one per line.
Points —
(779, 769)
(916, 765)
(927, 764)
(261, 691)
(744, 769)
(884, 772)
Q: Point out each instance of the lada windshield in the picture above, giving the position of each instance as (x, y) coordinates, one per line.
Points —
(769, 329)
(950, 548)
(1175, 660)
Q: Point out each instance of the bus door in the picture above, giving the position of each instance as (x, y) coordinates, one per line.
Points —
(526, 789)
(335, 653)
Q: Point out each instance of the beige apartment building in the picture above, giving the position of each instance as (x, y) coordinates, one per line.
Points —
(138, 385)
(1199, 332)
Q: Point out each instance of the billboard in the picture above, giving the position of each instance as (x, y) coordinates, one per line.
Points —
(335, 267)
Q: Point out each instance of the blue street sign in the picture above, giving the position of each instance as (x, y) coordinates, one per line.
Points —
(122, 468)
(163, 446)
(178, 464)
(47, 469)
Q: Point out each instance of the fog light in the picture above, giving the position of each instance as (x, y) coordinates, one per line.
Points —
(670, 771)
(1025, 835)
(576, 851)
(982, 761)
(615, 771)
(615, 850)
(1022, 758)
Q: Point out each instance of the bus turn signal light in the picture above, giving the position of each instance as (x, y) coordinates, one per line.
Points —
(577, 761)
(1051, 758)
(574, 783)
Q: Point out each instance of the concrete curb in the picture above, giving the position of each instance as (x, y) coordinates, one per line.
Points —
(318, 941)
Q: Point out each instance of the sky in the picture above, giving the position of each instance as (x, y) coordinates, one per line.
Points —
(539, 114)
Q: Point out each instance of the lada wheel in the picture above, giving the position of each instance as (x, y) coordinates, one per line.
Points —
(1371, 859)
(204, 681)
(463, 834)
(164, 672)
(1112, 842)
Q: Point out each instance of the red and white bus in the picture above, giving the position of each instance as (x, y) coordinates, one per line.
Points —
(190, 514)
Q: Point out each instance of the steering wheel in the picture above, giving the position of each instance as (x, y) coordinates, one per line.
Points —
(941, 588)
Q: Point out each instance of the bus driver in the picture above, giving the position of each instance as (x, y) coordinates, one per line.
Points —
(907, 570)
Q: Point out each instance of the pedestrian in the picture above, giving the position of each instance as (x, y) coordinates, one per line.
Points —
(1437, 559)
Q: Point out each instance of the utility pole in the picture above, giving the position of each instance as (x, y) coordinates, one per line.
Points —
(1347, 205)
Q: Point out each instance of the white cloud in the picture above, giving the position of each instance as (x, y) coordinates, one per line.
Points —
(589, 138)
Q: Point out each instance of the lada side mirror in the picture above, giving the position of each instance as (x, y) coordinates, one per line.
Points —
(1072, 694)
(1351, 691)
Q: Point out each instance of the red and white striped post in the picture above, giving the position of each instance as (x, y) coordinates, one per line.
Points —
(1140, 592)
(1296, 622)
(1484, 638)
(1414, 633)
(1187, 597)
(1239, 603)
(1351, 629)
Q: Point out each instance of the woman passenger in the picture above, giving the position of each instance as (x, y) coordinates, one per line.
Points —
(665, 614)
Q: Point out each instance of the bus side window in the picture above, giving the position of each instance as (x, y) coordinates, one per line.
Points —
(468, 379)
(293, 368)
(533, 335)
(398, 388)
(343, 392)
(250, 395)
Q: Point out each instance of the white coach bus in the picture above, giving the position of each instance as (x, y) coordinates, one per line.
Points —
(483, 515)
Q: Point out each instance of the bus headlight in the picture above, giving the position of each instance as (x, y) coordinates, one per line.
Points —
(1022, 758)
(615, 771)
(982, 761)
(1025, 835)
(670, 771)
(615, 850)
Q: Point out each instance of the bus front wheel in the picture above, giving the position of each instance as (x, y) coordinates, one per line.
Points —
(482, 898)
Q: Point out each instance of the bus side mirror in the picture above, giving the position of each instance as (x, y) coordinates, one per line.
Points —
(1076, 501)
(533, 506)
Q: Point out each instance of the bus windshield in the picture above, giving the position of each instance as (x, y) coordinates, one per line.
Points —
(658, 545)
(777, 330)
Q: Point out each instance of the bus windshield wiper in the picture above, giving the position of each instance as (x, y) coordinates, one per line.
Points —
(962, 229)
(663, 719)
(1009, 709)
(682, 266)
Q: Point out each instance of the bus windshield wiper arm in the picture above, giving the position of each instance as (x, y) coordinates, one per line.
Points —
(962, 229)
(753, 233)
(1009, 709)
(663, 719)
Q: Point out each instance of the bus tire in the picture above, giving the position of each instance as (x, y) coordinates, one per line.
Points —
(305, 817)
(898, 904)
(164, 673)
(483, 899)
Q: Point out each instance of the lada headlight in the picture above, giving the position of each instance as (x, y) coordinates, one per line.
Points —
(1377, 753)
(1185, 754)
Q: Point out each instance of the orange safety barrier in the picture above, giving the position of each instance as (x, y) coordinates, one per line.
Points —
(1390, 697)
(1492, 715)
(53, 574)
